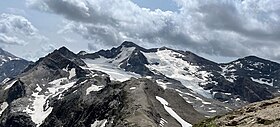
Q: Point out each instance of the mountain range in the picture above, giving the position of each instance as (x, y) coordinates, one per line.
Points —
(129, 85)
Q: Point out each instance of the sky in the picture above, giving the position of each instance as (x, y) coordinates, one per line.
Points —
(220, 30)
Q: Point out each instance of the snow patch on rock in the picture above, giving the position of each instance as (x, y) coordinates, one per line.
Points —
(172, 65)
(173, 113)
(98, 123)
(93, 88)
(3, 107)
(132, 88)
(39, 108)
(10, 85)
(162, 122)
(263, 81)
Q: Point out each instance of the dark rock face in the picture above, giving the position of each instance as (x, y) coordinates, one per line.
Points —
(136, 63)
(16, 91)
(18, 120)
(58, 59)
(251, 91)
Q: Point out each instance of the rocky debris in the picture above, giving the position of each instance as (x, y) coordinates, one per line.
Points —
(259, 114)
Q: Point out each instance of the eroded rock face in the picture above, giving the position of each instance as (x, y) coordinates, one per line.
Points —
(259, 114)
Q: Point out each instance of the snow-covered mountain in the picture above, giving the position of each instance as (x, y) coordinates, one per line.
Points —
(10, 66)
(132, 86)
(63, 90)
(210, 87)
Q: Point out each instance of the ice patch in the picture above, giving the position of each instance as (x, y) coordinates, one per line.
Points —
(162, 122)
(173, 113)
(132, 88)
(162, 84)
(36, 110)
(206, 103)
(58, 89)
(98, 123)
(212, 111)
(149, 77)
(115, 73)
(263, 81)
(3, 106)
(10, 85)
(93, 88)
(173, 66)
(5, 80)
(225, 70)
(72, 73)
(125, 53)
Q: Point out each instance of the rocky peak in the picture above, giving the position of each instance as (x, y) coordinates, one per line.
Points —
(59, 59)
(6, 56)
(5, 53)
(65, 52)
(129, 44)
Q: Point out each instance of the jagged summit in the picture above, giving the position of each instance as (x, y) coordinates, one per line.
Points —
(129, 44)
(3, 52)
(59, 58)
(6, 56)
(65, 52)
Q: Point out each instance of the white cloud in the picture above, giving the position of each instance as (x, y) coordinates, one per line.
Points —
(19, 35)
(17, 30)
(10, 24)
(11, 40)
(216, 27)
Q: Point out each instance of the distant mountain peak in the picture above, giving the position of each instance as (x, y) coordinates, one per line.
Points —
(129, 44)
(6, 54)
(63, 50)
(10, 65)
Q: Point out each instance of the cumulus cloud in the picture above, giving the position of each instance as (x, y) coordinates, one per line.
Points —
(14, 29)
(11, 40)
(10, 23)
(231, 28)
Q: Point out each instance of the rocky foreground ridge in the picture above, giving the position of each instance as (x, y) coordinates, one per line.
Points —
(260, 114)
